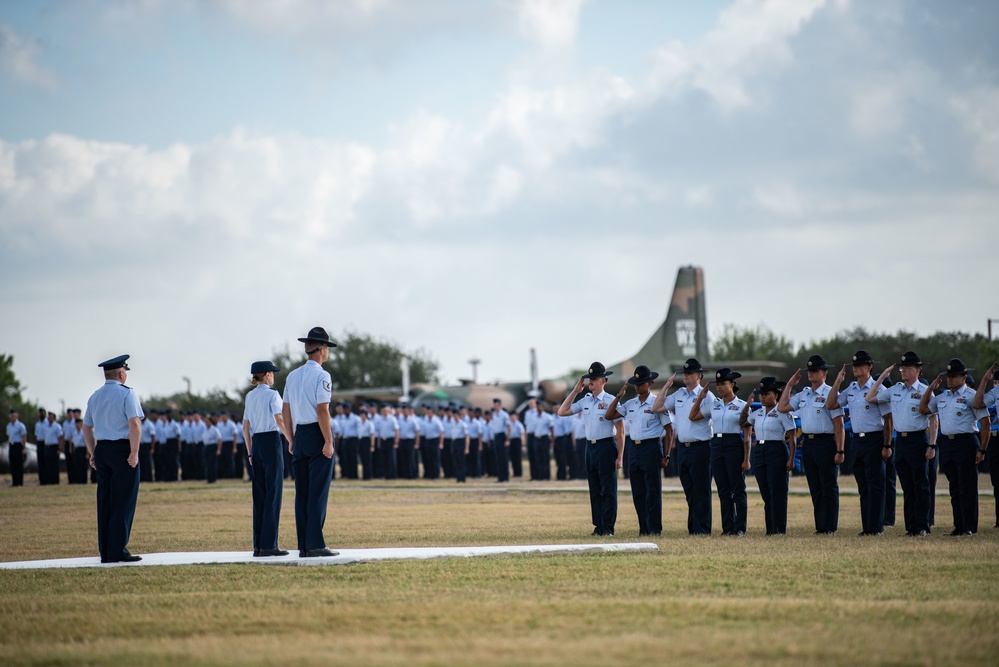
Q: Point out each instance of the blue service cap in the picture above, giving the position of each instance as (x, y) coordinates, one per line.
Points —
(263, 367)
(117, 362)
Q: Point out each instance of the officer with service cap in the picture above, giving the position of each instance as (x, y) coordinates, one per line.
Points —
(915, 442)
(823, 436)
(984, 399)
(263, 425)
(961, 448)
(730, 443)
(111, 429)
(306, 410)
(773, 454)
(645, 429)
(605, 448)
(871, 445)
(694, 451)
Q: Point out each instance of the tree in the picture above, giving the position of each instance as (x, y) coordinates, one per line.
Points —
(10, 393)
(744, 343)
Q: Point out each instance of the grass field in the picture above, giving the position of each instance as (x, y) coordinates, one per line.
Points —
(789, 600)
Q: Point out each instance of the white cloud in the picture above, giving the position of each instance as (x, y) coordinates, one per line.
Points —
(19, 59)
(552, 24)
(979, 110)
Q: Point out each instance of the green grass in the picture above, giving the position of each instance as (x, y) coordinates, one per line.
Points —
(789, 600)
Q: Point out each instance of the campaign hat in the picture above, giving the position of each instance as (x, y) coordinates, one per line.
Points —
(910, 358)
(771, 383)
(116, 362)
(863, 358)
(692, 366)
(263, 367)
(956, 367)
(597, 370)
(816, 363)
(726, 375)
(318, 335)
(643, 374)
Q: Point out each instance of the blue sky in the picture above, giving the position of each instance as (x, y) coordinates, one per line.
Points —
(198, 183)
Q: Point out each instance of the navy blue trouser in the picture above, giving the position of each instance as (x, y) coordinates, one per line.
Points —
(457, 448)
(348, 458)
(117, 491)
(514, 458)
(694, 466)
(647, 486)
(197, 460)
(404, 458)
(267, 476)
(472, 467)
(430, 451)
(601, 457)
(16, 456)
(501, 456)
(957, 462)
(914, 476)
(769, 460)
(366, 456)
(563, 456)
(171, 452)
(818, 457)
(891, 479)
(993, 458)
(543, 457)
(869, 470)
(145, 462)
(211, 458)
(579, 471)
(727, 454)
(313, 474)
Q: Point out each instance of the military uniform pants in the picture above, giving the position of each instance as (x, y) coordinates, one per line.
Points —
(226, 462)
(145, 462)
(542, 458)
(366, 456)
(727, 454)
(993, 458)
(580, 471)
(472, 467)
(647, 486)
(117, 491)
(313, 474)
(159, 468)
(457, 449)
(626, 458)
(869, 471)
(914, 476)
(197, 460)
(818, 457)
(694, 467)
(601, 457)
(563, 456)
(16, 456)
(430, 452)
(891, 480)
(239, 460)
(170, 454)
(81, 464)
(447, 460)
(957, 462)
(769, 460)
(404, 458)
(501, 456)
(211, 458)
(267, 477)
(348, 458)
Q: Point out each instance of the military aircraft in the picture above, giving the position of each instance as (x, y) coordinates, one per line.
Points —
(682, 334)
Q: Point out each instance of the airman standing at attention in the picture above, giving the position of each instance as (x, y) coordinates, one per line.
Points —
(306, 411)
(111, 430)
(982, 400)
(823, 441)
(41, 426)
(409, 438)
(458, 442)
(644, 428)
(501, 446)
(227, 457)
(81, 460)
(915, 442)
(68, 430)
(730, 445)
(211, 441)
(694, 450)
(198, 429)
(605, 445)
(53, 443)
(773, 454)
(17, 436)
(530, 418)
(871, 444)
(961, 449)
(516, 434)
(366, 445)
(171, 455)
(578, 468)
(432, 433)
(388, 442)
(146, 444)
(563, 448)
(350, 426)
(544, 435)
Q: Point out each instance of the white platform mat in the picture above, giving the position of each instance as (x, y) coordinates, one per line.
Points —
(345, 557)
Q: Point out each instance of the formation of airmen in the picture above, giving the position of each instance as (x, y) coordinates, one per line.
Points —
(903, 430)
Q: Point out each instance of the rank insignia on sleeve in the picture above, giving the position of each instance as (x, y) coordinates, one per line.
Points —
(327, 386)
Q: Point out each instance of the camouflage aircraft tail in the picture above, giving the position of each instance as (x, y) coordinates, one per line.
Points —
(683, 334)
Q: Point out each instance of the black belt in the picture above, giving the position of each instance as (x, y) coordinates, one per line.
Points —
(913, 434)
(593, 442)
(114, 442)
(817, 436)
(647, 441)
(869, 434)
(693, 442)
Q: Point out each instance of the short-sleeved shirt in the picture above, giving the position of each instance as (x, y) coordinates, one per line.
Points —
(563, 425)
(955, 411)
(109, 409)
(771, 424)
(227, 430)
(810, 405)
(640, 422)
(593, 409)
(516, 429)
(409, 427)
(386, 427)
(864, 417)
(212, 435)
(497, 426)
(543, 425)
(904, 402)
(455, 428)
(17, 432)
(725, 416)
(198, 432)
(350, 426)
(578, 426)
(262, 403)
(431, 427)
(679, 403)
(306, 388)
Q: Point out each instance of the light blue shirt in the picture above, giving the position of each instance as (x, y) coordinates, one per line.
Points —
(148, 429)
(17, 432)
(593, 409)
(543, 425)
(432, 427)
(497, 426)
(725, 416)
(387, 427)
(350, 425)
(904, 402)
(211, 436)
(109, 409)
(455, 428)
(227, 429)
(955, 411)
(771, 424)
(640, 421)
(679, 403)
(864, 417)
(810, 406)
(409, 427)
(516, 429)
(262, 403)
(53, 432)
(198, 432)
(306, 388)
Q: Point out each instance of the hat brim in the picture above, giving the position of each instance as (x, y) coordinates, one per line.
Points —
(327, 343)
(823, 367)
(867, 362)
(637, 381)
(590, 376)
(964, 372)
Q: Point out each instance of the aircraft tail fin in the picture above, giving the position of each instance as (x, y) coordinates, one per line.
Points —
(684, 332)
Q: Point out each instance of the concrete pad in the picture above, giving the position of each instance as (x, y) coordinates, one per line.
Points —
(345, 557)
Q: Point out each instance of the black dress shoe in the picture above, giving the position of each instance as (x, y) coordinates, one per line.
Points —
(320, 553)
(264, 553)
(596, 531)
(256, 552)
(130, 559)
(301, 553)
(919, 533)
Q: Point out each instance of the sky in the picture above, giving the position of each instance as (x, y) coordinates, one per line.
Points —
(198, 184)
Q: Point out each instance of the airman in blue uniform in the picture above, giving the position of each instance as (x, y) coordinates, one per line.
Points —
(307, 409)
(730, 445)
(985, 399)
(111, 428)
(773, 453)
(964, 441)
(17, 436)
(823, 436)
